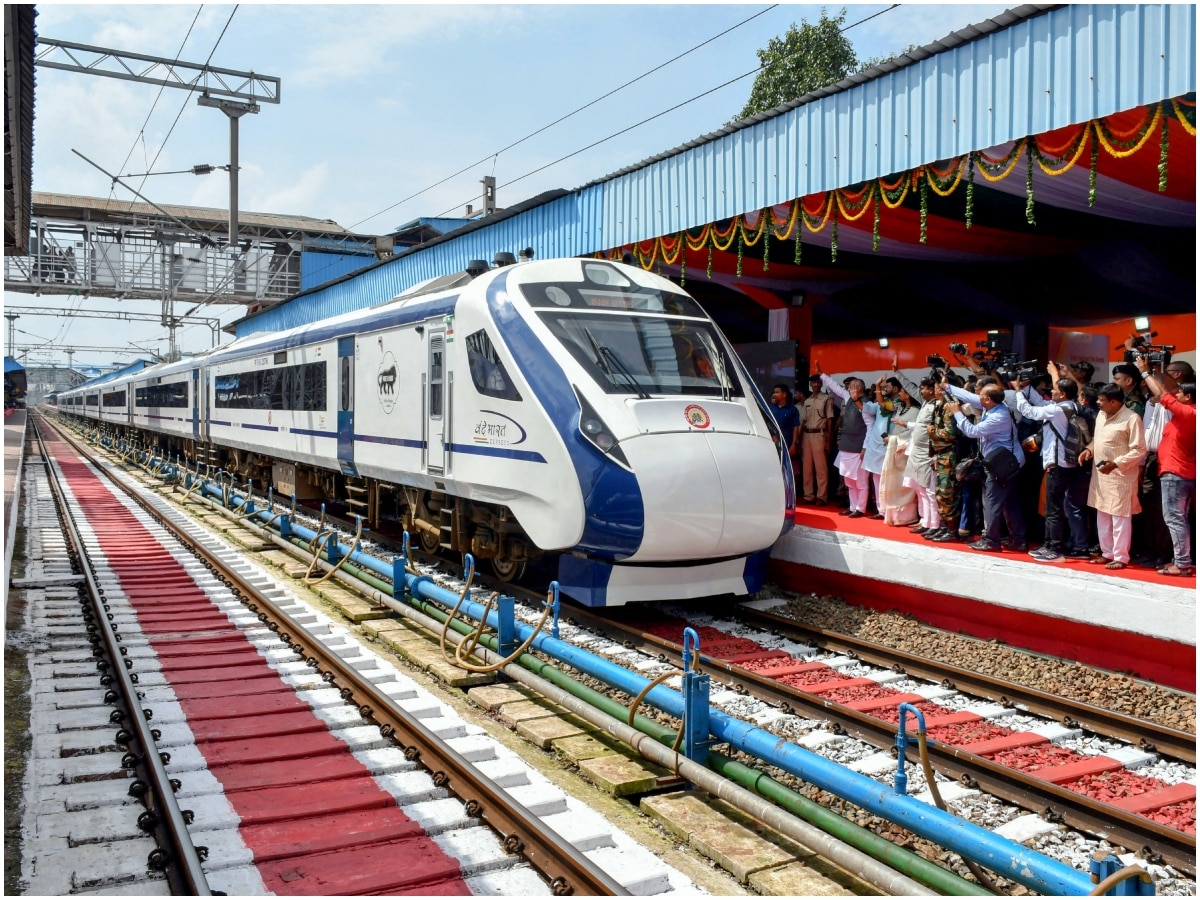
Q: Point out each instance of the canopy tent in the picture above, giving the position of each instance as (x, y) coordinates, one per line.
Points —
(1100, 216)
(14, 383)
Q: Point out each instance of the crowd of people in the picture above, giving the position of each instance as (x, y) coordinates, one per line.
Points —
(1054, 465)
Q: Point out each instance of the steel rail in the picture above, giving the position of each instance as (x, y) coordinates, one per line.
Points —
(1149, 736)
(176, 855)
(567, 869)
(1152, 840)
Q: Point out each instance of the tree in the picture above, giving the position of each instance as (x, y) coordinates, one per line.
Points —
(802, 60)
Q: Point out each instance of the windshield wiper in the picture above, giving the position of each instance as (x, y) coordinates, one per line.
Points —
(609, 360)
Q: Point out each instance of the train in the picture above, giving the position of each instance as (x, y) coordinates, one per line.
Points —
(575, 412)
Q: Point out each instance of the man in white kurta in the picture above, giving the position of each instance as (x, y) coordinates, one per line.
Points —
(1118, 445)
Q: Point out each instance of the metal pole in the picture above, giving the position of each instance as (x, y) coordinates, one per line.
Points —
(233, 178)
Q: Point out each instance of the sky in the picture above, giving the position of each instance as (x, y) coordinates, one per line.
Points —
(380, 103)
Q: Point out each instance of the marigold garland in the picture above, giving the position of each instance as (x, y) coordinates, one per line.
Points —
(1119, 147)
(820, 220)
(924, 209)
(815, 210)
(972, 158)
(1162, 158)
(767, 252)
(1029, 183)
(1092, 170)
(1060, 163)
(875, 224)
(947, 184)
(853, 206)
(1186, 119)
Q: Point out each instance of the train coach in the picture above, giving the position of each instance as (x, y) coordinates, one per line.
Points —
(575, 407)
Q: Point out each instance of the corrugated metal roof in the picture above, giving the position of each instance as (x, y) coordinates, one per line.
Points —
(1026, 72)
(123, 210)
(19, 41)
(1030, 70)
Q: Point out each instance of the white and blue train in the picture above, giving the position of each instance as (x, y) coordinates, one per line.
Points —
(575, 407)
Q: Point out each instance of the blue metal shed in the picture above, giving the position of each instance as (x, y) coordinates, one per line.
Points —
(1032, 69)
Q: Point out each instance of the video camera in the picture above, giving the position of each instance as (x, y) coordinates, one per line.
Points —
(1158, 355)
(1010, 369)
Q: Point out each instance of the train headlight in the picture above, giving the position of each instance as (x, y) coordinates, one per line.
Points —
(597, 433)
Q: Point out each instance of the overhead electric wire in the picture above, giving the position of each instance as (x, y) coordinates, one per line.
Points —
(664, 112)
(141, 135)
(150, 167)
(563, 118)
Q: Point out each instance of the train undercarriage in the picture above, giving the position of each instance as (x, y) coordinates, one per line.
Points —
(437, 522)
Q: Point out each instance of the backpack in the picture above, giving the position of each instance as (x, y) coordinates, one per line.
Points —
(1079, 432)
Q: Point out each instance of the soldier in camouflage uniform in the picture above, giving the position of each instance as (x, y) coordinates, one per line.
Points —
(943, 434)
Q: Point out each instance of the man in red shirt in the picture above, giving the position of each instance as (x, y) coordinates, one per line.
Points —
(1176, 467)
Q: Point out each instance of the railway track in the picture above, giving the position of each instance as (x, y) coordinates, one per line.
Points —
(730, 662)
(974, 753)
(217, 674)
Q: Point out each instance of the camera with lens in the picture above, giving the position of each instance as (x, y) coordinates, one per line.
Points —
(1158, 355)
(959, 349)
(935, 362)
(1010, 370)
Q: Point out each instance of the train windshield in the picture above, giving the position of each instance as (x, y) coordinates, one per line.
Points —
(645, 355)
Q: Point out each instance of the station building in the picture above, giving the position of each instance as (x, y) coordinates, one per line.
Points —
(1034, 173)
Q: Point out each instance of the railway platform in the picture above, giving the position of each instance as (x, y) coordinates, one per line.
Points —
(14, 448)
(1132, 620)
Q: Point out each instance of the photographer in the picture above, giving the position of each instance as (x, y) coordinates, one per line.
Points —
(995, 431)
(1176, 466)
(1066, 483)
(1117, 446)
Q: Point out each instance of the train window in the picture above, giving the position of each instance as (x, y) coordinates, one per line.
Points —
(643, 355)
(162, 395)
(346, 394)
(436, 353)
(114, 398)
(300, 387)
(93, 400)
(487, 369)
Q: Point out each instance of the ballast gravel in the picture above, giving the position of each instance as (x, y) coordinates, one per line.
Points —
(1109, 690)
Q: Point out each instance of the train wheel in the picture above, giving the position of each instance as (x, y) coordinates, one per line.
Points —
(507, 570)
(430, 543)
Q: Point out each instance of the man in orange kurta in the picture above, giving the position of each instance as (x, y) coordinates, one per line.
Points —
(1118, 444)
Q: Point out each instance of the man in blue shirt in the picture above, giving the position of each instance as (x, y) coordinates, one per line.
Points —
(1066, 482)
(787, 417)
(1000, 499)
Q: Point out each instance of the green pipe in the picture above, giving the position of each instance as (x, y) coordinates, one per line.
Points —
(863, 839)
(903, 861)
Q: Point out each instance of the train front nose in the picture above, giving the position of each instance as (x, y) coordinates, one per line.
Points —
(706, 495)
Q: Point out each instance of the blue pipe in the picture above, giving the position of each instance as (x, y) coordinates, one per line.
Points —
(1005, 857)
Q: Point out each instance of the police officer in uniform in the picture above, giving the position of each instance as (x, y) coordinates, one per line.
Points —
(816, 425)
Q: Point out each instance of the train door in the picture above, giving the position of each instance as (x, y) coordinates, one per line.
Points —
(204, 398)
(345, 407)
(195, 388)
(435, 404)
